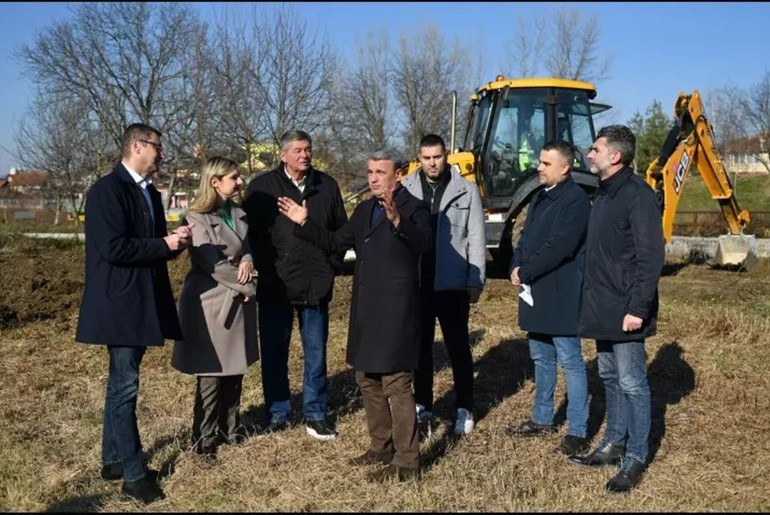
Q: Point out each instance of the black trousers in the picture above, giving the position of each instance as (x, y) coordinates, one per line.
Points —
(451, 308)
(216, 414)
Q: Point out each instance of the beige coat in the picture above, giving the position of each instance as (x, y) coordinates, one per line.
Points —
(220, 330)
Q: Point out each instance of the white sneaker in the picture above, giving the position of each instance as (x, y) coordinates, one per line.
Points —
(464, 424)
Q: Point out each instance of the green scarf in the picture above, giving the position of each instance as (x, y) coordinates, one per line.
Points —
(226, 213)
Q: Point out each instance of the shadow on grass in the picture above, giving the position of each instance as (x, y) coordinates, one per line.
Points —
(501, 372)
(87, 504)
(671, 379)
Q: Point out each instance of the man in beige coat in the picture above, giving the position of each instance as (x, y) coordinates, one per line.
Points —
(217, 309)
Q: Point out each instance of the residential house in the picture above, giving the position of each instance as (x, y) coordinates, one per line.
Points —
(747, 155)
(26, 181)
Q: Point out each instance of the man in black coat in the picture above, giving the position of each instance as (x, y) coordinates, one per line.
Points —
(294, 277)
(624, 259)
(127, 301)
(548, 263)
(390, 232)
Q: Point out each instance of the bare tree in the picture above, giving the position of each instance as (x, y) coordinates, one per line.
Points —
(564, 45)
(743, 114)
(124, 62)
(425, 72)
(296, 74)
(60, 138)
(526, 48)
(361, 99)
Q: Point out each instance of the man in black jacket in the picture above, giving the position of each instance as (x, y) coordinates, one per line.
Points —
(127, 302)
(548, 263)
(624, 258)
(390, 231)
(294, 276)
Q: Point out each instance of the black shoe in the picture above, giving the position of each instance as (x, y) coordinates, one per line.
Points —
(320, 430)
(605, 454)
(144, 489)
(206, 451)
(272, 428)
(530, 428)
(371, 458)
(112, 472)
(240, 435)
(627, 478)
(572, 446)
(394, 473)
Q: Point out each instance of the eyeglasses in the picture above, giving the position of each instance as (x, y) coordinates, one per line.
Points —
(158, 146)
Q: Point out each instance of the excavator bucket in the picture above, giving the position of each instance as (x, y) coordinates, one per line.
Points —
(736, 250)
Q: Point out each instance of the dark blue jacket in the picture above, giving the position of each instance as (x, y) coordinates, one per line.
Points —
(127, 299)
(625, 252)
(551, 254)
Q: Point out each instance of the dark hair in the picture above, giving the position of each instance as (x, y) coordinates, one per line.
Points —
(620, 138)
(564, 149)
(135, 131)
(295, 135)
(432, 140)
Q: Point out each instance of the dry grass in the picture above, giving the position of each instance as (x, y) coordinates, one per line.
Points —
(711, 412)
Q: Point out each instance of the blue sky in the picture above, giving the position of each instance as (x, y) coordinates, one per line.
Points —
(656, 49)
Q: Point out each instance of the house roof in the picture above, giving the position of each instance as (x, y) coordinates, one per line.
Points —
(28, 179)
(745, 145)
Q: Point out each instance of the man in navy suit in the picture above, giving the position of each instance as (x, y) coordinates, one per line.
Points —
(548, 264)
(127, 301)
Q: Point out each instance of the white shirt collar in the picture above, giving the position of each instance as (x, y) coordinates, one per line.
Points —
(300, 184)
(141, 181)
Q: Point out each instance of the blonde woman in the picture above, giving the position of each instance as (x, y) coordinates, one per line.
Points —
(217, 310)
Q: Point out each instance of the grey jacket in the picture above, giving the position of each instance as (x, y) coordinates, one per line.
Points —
(461, 253)
(220, 329)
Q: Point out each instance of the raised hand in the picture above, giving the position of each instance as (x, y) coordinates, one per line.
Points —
(292, 210)
(391, 209)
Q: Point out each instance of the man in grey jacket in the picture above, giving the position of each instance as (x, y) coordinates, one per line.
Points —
(452, 277)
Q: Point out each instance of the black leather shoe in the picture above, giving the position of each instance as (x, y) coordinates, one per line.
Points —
(607, 454)
(145, 490)
(572, 446)
(530, 428)
(394, 473)
(112, 472)
(371, 458)
(627, 478)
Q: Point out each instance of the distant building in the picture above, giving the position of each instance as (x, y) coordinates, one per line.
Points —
(747, 155)
(26, 181)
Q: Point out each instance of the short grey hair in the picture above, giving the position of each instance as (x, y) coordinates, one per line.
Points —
(620, 138)
(388, 154)
(294, 135)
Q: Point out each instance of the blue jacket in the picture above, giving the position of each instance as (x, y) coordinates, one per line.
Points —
(127, 299)
(551, 254)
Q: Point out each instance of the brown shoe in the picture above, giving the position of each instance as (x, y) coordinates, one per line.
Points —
(371, 458)
(394, 473)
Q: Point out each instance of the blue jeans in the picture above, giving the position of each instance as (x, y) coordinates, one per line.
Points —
(120, 436)
(275, 324)
(622, 367)
(546, 351)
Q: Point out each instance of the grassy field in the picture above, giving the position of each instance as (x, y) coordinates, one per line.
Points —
(708, 374)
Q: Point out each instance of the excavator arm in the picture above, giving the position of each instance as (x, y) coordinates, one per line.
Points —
(691, 143)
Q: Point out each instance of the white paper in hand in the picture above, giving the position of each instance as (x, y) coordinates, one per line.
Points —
(526, 294)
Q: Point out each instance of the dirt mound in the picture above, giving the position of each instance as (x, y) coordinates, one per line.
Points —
(40, 282)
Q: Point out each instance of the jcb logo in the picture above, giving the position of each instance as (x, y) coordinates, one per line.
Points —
(680, 171)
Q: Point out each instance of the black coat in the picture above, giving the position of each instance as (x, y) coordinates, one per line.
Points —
(625, 252)
(290, 269)
(127, 299)
(383, 333)
(551, 254)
